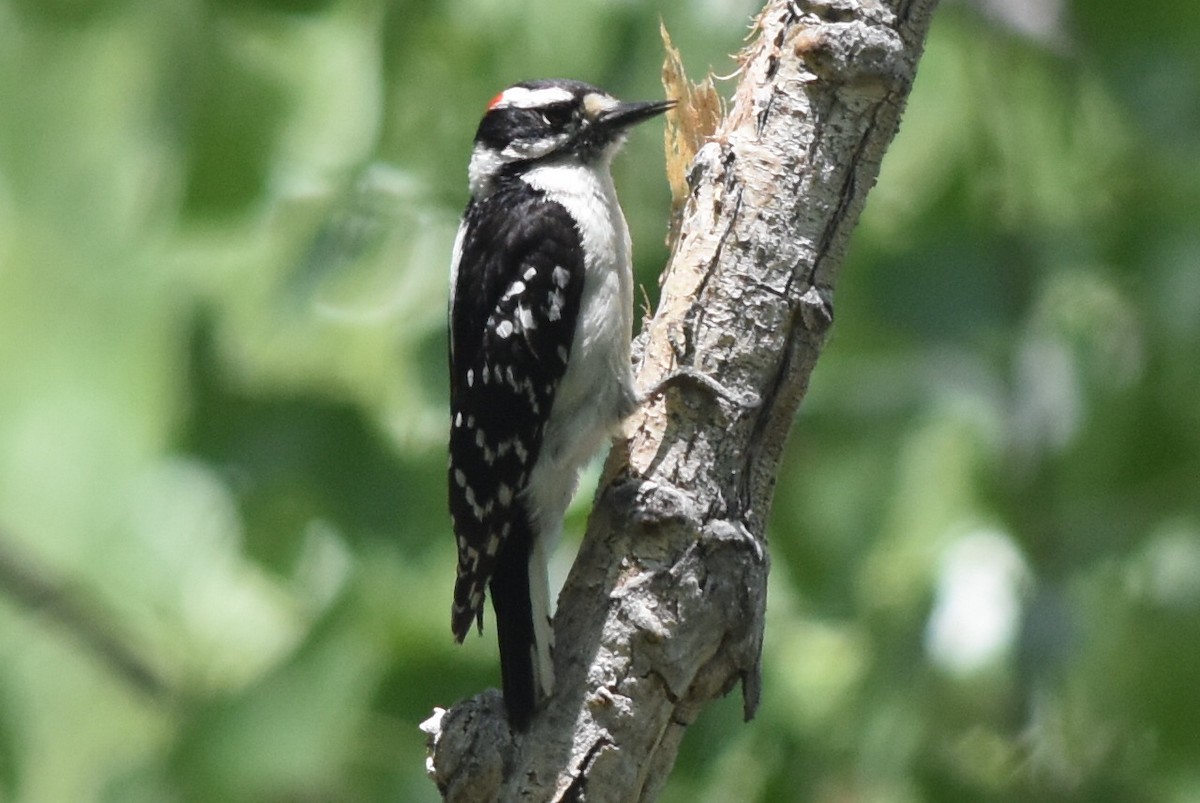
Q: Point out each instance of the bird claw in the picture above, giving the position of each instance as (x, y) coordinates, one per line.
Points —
(748, 400)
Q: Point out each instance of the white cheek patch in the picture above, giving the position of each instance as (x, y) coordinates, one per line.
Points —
(519, 97)
(485, 163)
(532, 149)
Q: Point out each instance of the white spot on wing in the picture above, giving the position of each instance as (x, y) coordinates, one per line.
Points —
(560, 276)
(504, 329)
(554, 308)
(475, 508)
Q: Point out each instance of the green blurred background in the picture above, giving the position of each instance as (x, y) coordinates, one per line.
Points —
(226, 561)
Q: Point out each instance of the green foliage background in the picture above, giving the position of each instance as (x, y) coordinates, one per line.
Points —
(224, 235)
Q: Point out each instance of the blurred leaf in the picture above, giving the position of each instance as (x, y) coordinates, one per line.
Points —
(10, 768)
(229, 116)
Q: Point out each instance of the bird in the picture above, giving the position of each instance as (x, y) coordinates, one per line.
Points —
(540, 325)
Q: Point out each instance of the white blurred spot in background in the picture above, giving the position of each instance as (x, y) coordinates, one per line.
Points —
(977, 607)
(1041, 20)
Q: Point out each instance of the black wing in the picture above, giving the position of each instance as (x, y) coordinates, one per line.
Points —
(512, 320)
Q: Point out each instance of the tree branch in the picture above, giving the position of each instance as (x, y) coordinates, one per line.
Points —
(39, 591)
(663, 610)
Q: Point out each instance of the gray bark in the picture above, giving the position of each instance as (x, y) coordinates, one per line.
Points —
(663, 610)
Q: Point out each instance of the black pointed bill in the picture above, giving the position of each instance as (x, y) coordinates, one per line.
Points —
(624, 115)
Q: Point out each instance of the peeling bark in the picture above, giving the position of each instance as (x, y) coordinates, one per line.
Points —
(663, 610)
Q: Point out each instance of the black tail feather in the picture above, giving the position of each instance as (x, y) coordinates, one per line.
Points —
(514, 630)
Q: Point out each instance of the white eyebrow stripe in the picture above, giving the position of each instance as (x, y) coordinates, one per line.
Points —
(519, 97)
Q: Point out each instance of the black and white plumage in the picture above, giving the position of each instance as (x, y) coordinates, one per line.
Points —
(541, 306)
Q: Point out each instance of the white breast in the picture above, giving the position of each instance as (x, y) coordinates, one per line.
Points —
(597, 389)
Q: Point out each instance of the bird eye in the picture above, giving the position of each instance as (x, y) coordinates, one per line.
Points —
(557, 116)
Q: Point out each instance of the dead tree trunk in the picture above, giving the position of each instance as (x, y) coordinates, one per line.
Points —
(663, 610)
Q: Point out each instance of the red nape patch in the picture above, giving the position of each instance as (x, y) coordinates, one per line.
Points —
(494, 102)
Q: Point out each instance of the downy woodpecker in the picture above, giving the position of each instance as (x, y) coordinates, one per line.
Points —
(541, 308)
